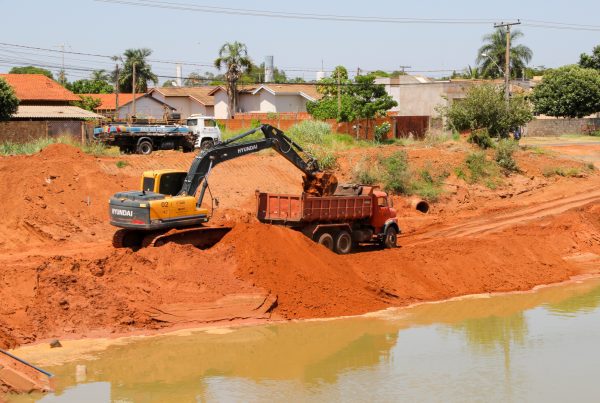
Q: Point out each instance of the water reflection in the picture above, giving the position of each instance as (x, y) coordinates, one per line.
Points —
(408, 354)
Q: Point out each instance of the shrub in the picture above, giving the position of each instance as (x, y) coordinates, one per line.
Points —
(481, 137)
(428, 186)
(327, 159)
(309, 132)
(366, 172)
(121, 164)
(396, 176)
(481, 170)
(381, 131)
(485, 107)
(255, 123)
(504, 155)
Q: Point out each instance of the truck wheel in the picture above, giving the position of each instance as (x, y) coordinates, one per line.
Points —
(343, 243)
(206, 144)
(390, 237)
(144, 147)
(326, 240)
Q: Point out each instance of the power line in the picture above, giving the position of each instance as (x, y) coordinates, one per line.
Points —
(292, 15)
(342, 18)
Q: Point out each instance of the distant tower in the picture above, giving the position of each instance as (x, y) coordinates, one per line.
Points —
(178, 74)
(269, 69)
(321, 74)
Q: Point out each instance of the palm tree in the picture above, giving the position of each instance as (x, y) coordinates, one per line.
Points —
(233, 56)
(143, 71)
(100, 75)
(491, 57)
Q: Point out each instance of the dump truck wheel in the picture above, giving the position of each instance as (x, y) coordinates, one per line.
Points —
(144, 147)
(343, 242)
(326, 240)
(390, 237)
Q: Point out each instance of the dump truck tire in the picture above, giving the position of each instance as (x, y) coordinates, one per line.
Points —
(390, 237)
(206, 144)
(325, 239)
(343, 243)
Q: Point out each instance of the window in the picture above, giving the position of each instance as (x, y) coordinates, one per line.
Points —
(148, 184)
(170, 184)
(382, 202)
(192, 122)
(210, 123)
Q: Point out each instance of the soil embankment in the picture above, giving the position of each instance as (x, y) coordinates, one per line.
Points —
(61, 278)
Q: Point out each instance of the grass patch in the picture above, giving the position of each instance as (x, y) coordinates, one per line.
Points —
(35, 146)
(561, 171)
(481, 138)
(121, 164)
(481, 170)
(366, 172)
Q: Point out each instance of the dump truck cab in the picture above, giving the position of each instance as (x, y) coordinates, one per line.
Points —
(384, 213)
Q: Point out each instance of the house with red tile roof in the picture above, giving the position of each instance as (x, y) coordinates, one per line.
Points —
(45, 109)
(37, 89)
(265, 98)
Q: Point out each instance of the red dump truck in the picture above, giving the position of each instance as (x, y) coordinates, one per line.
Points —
(354, 214)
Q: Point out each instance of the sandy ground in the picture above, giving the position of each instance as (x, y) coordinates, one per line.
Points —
(61, 278)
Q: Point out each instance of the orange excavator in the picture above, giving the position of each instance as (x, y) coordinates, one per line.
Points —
(167, 209)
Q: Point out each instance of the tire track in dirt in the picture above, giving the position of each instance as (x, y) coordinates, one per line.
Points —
(501, 221)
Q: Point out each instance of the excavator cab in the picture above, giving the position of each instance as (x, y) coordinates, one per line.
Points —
(163, 181)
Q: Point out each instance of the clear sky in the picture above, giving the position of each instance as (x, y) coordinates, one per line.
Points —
(105, 28)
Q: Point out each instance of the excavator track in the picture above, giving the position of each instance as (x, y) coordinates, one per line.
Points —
(200, 237)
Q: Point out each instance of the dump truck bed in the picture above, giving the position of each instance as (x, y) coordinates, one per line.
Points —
(285, 208)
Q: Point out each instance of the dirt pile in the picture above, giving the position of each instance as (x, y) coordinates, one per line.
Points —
(56, 195)
(309, 280)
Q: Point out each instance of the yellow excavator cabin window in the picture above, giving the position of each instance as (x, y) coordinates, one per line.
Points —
(166, 183)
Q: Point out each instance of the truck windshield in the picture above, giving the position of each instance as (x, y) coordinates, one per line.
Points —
(382, 202)
(209, 123)
(192, 122)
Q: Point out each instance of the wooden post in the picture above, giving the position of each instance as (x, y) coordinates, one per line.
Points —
(83, 132)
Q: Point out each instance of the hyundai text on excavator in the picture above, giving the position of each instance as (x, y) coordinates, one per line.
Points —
(168, 210)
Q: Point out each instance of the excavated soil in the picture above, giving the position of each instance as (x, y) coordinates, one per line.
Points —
(61, 278)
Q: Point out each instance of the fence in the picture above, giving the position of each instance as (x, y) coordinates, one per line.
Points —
(401, 126)
(556, 127)
(16, 131)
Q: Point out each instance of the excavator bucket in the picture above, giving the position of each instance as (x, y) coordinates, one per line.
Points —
(320, 184)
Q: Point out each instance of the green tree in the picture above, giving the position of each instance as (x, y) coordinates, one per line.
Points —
(169, 83)
(88, 103)
(360, 99)
(143, 71)
(9, 102)
(569, 91)
(31, 70)
(491, 57)
(194, 80)
(591, 61)
(234, 58)
(256, 75)
(484, 107)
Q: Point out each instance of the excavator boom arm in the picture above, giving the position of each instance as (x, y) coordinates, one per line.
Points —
(230, 149)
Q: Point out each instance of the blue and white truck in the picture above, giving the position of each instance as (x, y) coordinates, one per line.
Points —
(197, 132)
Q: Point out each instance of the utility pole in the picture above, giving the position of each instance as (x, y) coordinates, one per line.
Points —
(339, 95)
(403, 69)
(61, 76)
(507, 25)
(116, 59)
(133, 92)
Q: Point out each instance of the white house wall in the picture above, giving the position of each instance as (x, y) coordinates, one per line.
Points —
(221, 110)
(185, 105)
(145, 107)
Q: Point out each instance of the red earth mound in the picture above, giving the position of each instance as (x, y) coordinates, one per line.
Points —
(56, 195)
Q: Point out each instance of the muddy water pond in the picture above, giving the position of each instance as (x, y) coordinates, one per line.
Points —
(538, 346)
